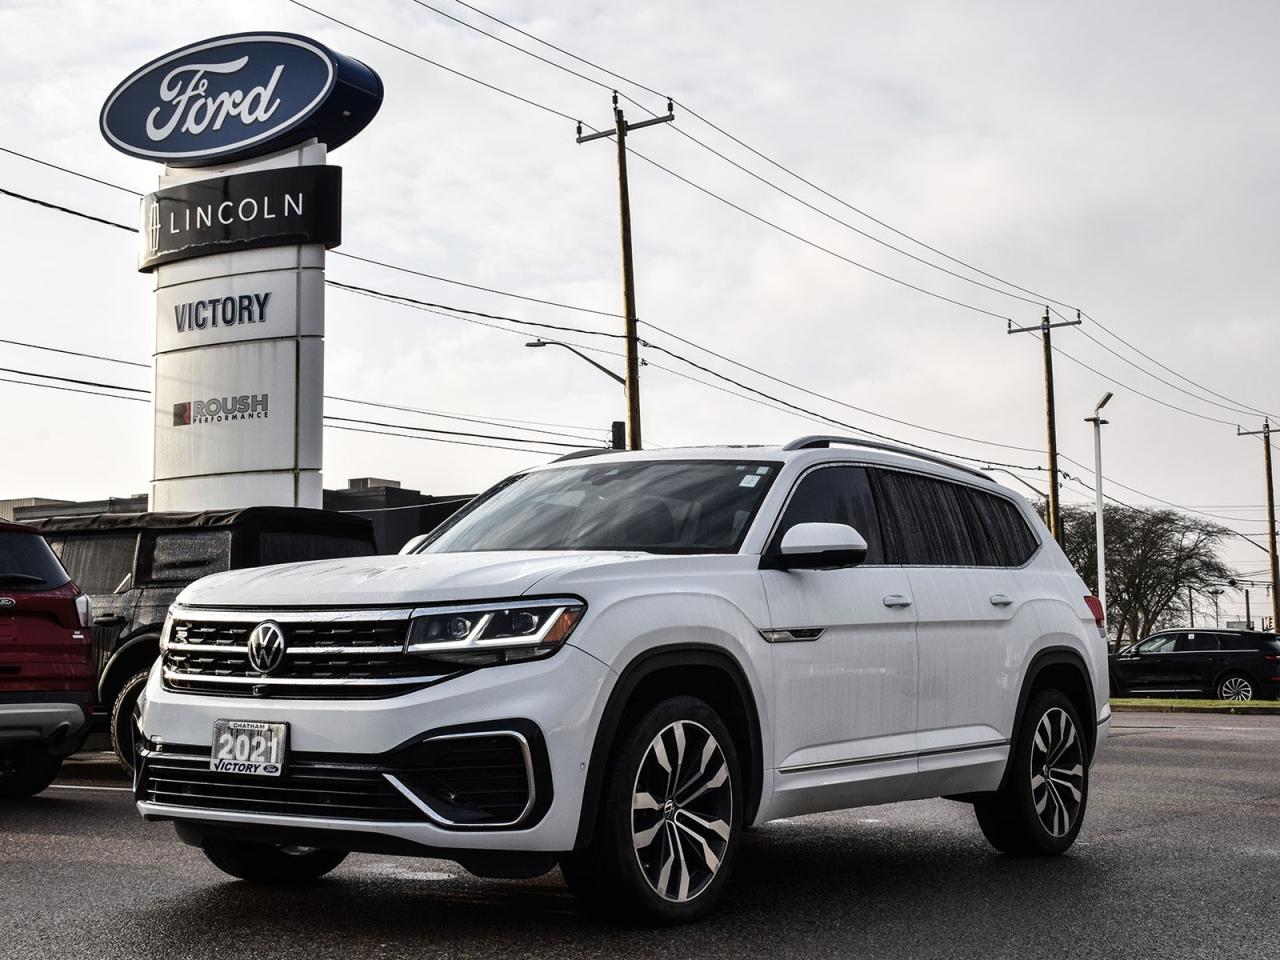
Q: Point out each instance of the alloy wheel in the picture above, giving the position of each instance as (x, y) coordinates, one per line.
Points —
(1236, 688)
(681, 811)
(1057, 772)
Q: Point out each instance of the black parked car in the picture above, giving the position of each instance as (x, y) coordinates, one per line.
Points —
(1227, 664)
(133, 566)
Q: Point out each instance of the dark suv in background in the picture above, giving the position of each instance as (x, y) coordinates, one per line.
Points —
(46, 666)
(1227, 664)
(133, 566)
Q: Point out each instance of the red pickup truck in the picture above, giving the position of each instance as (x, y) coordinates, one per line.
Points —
(46, 663)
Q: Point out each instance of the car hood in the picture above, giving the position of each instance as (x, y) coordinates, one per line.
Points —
(391, 581)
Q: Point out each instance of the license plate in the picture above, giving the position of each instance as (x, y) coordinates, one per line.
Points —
(249, 747)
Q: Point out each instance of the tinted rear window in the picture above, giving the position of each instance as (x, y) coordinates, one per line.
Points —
(99, 564)
(27, 563)
(1197, 643)
(276, 547)
(184, 556)
(925, 521)
(1004, 538)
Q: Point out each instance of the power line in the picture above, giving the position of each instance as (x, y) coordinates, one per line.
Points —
(470, 313)
(74, 353)
(60, 209)
(83, 176)
(82, 383)
(53, 386)
(476, 286)
(461, 417)
(411, 506)
(436, 63)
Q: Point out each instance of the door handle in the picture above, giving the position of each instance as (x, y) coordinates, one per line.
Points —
(897, 600)
(1001, 600)
(107, 620)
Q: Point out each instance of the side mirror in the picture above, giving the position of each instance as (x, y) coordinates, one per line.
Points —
(818, 546)
(414, 543)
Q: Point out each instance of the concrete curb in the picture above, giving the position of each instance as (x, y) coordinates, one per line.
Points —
(1255, 709)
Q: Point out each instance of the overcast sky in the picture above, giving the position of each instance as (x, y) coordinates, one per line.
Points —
(1119, 156)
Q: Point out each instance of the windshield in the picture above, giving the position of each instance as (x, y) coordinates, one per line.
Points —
(27, 563)
(660, 506)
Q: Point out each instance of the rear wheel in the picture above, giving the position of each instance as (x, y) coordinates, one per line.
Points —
(122, 724)
(1236, 686)
(1039, 808)
(26, 773)
(670, 818)
(269, 862)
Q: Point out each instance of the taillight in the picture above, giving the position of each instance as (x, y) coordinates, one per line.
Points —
(84, 610)
(1271, 656)
(1095, 607)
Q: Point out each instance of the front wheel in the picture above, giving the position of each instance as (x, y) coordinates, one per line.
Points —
(670, 818)
(1039, 808)
(1236, 686)
(122, 723)
(269, 862)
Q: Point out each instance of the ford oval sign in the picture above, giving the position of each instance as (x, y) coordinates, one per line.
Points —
(239, 96)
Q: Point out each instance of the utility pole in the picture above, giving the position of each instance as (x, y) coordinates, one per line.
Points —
(1191, 606)
(620, 130)
(1265, 433)
(1098, 424)
(1054, 505)
(1248, 614)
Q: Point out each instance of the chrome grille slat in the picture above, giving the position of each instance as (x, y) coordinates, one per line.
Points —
(208, 653)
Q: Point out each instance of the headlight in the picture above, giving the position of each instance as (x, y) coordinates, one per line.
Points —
(165, 633)
(485, 634)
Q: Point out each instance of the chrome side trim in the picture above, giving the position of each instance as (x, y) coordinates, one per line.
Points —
(169, 675)
(426, 808)
(886, 757)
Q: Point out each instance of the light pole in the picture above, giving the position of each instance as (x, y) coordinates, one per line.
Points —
(1098, 423)
(1215, 592)
(618, 436)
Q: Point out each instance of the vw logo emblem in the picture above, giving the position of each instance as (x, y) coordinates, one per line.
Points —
(266, 646)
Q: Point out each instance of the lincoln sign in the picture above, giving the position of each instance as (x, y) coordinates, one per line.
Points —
(234, 238)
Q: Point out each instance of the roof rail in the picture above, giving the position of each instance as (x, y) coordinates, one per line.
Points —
(812, 442)
(589, 452)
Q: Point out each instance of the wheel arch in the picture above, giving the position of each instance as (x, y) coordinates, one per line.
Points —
(1232, 670)
(1065, 669)
(708, 672)
(137, 653)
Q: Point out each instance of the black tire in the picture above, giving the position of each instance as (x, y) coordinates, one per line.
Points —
(1035, 814)
(1116, 687)
(1236, 686)
(270, 863)
(122, 724)
(26, 773)
(693, 821)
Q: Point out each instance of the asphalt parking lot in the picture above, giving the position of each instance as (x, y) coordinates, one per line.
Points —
(1179, 857)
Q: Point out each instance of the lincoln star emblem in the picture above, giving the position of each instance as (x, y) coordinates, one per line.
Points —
(266, 646)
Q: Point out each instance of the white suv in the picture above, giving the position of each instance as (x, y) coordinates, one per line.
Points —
(617, 663)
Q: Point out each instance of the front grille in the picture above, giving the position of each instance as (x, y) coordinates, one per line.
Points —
(308, 787)
(322, 659)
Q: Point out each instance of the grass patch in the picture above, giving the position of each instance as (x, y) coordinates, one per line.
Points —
(1177, 703)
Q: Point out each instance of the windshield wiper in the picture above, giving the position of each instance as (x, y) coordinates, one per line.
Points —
(20, 578)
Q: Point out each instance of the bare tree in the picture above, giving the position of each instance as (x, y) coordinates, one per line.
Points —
(1153, 558)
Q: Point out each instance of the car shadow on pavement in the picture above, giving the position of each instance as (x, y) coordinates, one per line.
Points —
(795, 882)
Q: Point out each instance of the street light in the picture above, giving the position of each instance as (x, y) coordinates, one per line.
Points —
(1215, 592)
(601, 367)
(1098, 422)
(618, 427)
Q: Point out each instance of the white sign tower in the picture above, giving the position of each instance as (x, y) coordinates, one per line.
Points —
(235, 240)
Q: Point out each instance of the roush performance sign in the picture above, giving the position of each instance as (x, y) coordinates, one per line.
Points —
(266, 208)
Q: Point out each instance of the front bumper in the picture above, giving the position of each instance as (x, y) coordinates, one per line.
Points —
(56, 722)
(556, 702)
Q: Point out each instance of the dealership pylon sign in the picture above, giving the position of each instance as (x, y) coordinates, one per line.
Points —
(235, 238)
